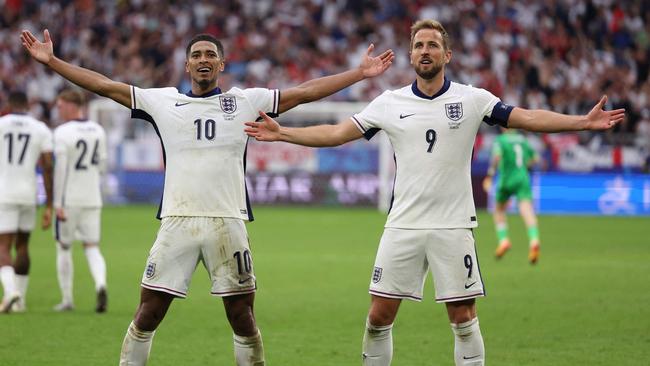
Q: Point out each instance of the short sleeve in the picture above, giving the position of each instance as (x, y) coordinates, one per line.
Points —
(262, 99)
(369, 120)
(491, 109)
(147, 99)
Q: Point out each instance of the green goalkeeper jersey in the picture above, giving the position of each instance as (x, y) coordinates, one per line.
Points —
(515, 153)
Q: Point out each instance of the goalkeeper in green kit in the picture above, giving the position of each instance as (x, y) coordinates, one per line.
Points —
(513, 156)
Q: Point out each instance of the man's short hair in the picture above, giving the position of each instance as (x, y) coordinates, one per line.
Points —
(18, 100)
(431, 24)
(205, 37)
(72, 96)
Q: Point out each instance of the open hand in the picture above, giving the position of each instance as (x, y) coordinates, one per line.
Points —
(599, 119)
(373, 66)
(266, 130)
(42, 52)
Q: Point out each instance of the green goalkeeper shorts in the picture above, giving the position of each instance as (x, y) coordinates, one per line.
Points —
(515, 186)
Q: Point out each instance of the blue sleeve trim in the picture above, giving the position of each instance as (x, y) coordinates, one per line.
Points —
(370, 133)
(500, 114)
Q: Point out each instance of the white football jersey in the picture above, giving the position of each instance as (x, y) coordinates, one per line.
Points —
(204, 146)
(433, 138)
(80, 158)
(22, 140)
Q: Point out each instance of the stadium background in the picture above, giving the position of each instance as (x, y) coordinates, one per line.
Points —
(558, 55)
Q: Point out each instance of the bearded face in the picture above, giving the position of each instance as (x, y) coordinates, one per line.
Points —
(428, 54)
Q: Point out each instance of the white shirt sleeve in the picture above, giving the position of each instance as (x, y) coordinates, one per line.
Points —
(484, 102)
(262, 99)
(370, 120)
(146, 99)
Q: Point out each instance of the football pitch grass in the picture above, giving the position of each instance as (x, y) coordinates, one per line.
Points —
(587, 302)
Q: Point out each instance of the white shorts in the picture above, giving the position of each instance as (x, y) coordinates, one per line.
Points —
(15, 218)
(405, 256)
(82, 223)
(182, 242)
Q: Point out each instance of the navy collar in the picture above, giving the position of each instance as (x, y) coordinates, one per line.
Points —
(214, 91)
(445, 86)
(19, 113)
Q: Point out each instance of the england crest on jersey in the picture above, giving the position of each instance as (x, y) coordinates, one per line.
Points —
(228, 103)
(151, 270)
(376, 274)
(454, 111)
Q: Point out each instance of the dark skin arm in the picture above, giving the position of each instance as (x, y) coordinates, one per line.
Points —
(45, 162)
(43, 52)
(316, 89)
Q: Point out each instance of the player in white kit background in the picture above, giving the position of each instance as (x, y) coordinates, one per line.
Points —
(431, 125)
(204, 203)
(24, 143)
(79, 161)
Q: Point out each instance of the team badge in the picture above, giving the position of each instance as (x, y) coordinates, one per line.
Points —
(228, 104)
(454, 111)
(376, 275)
(151, 270)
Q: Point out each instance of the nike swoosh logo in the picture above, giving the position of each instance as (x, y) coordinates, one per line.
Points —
(402, 116)
(181, 104)
(470, 285)
(245, 280)
(469, 358)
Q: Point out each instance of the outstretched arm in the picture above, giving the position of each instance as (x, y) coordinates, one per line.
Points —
(314, 136)
(316, 89)
(43, 52)
(547, 121)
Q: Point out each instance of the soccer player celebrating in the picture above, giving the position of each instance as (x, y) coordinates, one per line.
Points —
(205, 202)
(80, 158)
(25, 143)
(513, 155)
(431, 125)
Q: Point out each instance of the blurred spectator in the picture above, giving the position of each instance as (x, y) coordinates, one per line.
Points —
(550, 55)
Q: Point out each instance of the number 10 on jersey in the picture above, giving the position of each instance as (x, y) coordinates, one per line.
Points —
(207, 129)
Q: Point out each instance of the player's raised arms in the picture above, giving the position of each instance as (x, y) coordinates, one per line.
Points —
(95, 82)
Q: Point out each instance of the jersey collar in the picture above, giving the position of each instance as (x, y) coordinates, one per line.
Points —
(417, 92)
(214, 91)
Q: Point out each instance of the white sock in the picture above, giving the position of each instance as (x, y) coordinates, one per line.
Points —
(8, 279)
(377, 345)
(64, 271)
(21, 286)
(249, 351)
(136, 346)
(469, 349)
(97, 266)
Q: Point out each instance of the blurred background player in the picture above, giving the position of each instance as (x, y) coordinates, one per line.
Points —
(24, 143)
(513, 156)
(80, 160)
(432, 125)
(202, 218)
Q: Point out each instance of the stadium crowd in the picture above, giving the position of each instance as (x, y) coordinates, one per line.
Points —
(555, 54)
